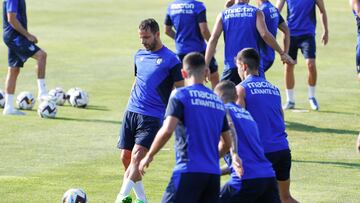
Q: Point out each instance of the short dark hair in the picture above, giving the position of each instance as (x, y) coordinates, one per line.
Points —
(149, 24)
(250, 57)
(194, 63)
(226, 90)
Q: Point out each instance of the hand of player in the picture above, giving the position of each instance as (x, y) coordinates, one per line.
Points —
(32, 38)
(207, 72)
(285, 58)
(144, 163)
(237, 165)
(325, 38)
(229, 3)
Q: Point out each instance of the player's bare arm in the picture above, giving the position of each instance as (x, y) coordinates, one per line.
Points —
(240, 91)
(269, 38)
(286, 33)
(227, 144)
(215, 35)
(204, 29)
(14, 22)
(355, 5)
(324, 21)
(280, 4)
(169, 31)
(229, 3)
(160, 140)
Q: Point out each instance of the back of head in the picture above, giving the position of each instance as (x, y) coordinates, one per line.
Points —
(194, 64)
(250, 57)
(149, 24)
(226, 91)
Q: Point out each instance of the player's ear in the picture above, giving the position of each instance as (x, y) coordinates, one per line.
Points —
(157, 34)
(184, 73)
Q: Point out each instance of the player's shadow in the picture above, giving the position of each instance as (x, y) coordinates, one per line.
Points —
(91, 107)
(342, 164)
(89, 120)
(337, 112)
(309, 128)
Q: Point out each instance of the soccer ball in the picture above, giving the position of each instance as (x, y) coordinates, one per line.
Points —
(25, 100)
(70, 91)
(59, 95)
(2, 99)
(74, 196)
(47, 109)
(79, 98)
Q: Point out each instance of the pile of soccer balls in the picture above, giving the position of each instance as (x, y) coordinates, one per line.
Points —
(57, 97)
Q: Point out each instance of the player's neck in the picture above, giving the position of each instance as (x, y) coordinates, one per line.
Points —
(194, 81)
(158, 46)
(241, 1)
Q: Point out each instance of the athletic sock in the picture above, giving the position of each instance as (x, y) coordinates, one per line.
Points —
(41, 87)
(290, 95)
(311, 91)
(9, 101)
(126, 187)
(139, 191)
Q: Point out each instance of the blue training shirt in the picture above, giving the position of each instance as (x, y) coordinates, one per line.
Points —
(250, 150)
(13, 6)
(263, 101)
(155, 74)
(239, 26)
(301, 17)
(202, 119)
(185, 16)
(272, 19)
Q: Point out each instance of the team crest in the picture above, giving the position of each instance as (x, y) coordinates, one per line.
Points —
(32, 48)
(159, 61)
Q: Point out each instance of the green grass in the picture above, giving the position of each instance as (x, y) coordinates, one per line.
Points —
(91, 45)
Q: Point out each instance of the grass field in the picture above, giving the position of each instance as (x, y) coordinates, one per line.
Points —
(91, 43)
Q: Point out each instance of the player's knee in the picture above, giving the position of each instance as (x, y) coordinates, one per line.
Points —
(125, 156)
(137, 156)
(42, 55)
(14, 72)
(311, 64)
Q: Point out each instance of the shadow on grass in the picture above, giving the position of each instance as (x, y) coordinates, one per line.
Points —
(337, 112)
(342, 164)
(309, 128)
(88, 120)
(90, 107)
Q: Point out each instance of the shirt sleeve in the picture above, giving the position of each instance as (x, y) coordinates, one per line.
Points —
(175, 72)
(225, 125)
(201, 17)
(12, 6)
(175, 108)
(281, 19)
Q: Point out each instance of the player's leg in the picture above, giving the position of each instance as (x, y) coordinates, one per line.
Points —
(271, 194)
(308, 48)
(125, 156)
(289, 75)
(10, 83)
(40, 56)
(232, 75)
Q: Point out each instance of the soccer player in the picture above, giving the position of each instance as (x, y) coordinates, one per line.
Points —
(191, 30)
(273, 21)
(241, 24)
(200, 120)
(258, 184)
(263, 101)
(21, 46)
(355, 5)
(302, 23)
(157, 71)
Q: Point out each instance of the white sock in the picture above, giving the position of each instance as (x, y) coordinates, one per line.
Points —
(9, 101)
(311, 91)
(290, 95)
(139, 191)
(126, 187)
(41, 87)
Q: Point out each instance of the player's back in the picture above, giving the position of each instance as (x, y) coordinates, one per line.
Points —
(263, 101)
(198, 132)
(154, 82)
(185, 16)
(301, 17)
(18, 7)
(239, 26)
(250, 149)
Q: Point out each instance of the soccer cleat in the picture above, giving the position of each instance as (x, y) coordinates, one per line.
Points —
(121, 199)
(289, 105)
(313, 103)
(13, 112)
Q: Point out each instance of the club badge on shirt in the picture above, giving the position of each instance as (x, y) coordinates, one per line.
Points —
(159, 61)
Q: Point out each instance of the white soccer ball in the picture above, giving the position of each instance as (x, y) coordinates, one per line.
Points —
(25, 100)
(47, 109)
(59, 95)
(2, 99)
(70, 91)
(79, 98)
(74, 196)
